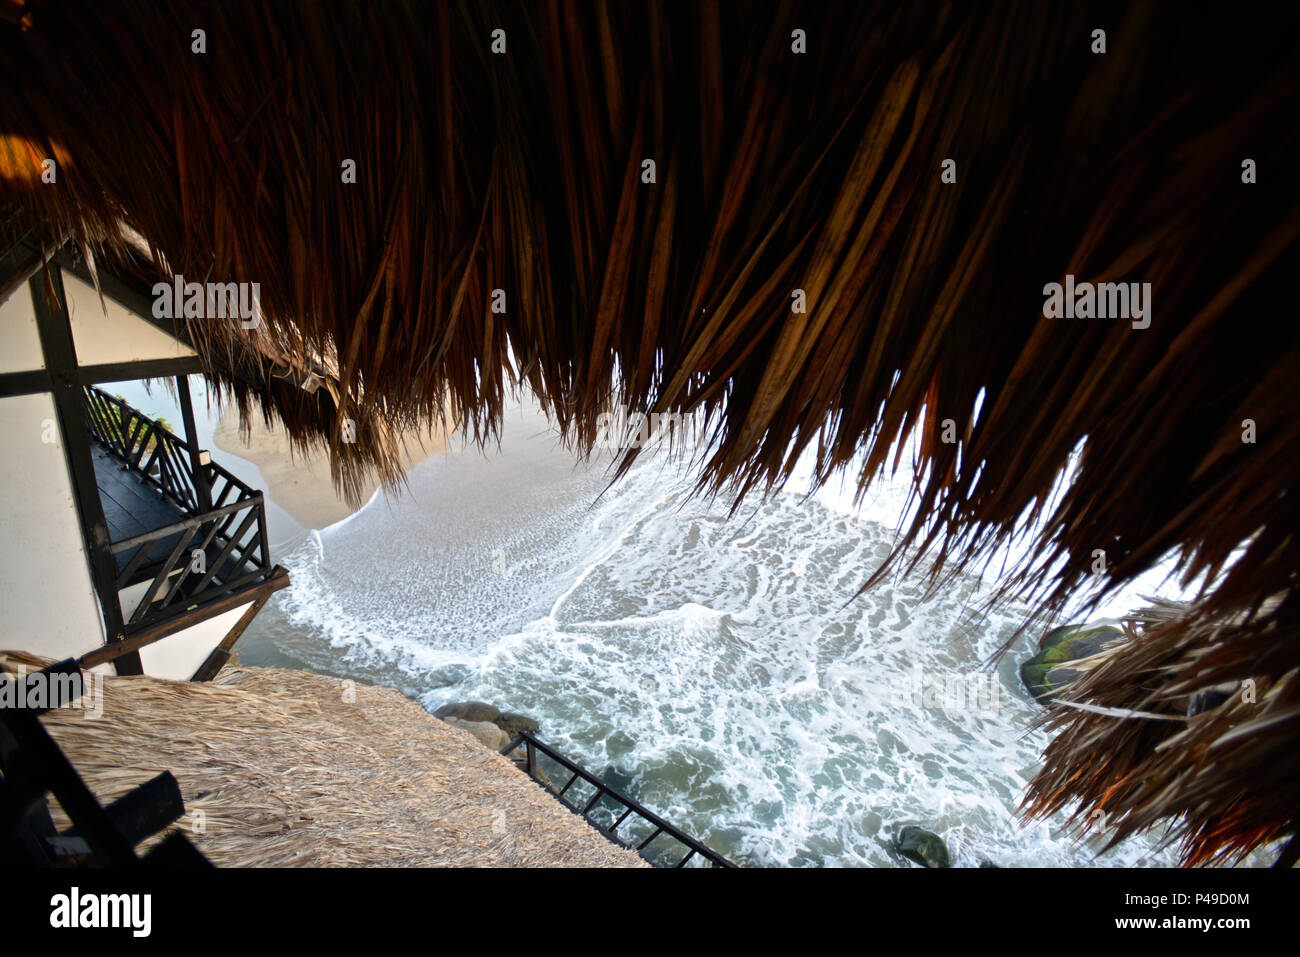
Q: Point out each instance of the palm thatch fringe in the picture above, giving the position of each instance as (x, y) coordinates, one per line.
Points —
(1190, 722)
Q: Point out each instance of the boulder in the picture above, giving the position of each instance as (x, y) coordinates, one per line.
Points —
(468, 711)
(924, 847)
(511, 722)
(1048, 670)
(619, 744)
(487, 733)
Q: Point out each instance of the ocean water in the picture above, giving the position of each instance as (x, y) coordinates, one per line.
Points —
(717, 668)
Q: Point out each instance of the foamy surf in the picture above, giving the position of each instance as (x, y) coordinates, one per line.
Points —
(710, 666)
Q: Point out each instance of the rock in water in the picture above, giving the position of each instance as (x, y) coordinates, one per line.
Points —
(924, 847)
(486, 732)
(1047, 671)
(469, 711)
(511, 722)
(619, 744)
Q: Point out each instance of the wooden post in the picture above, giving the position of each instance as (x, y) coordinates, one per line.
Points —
(202, 484)
(221, 654)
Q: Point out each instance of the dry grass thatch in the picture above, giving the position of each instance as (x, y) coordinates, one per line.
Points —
(776, 171)
(288, 773)
(1220, 770)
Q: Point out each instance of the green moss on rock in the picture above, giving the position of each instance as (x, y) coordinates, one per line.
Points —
(1045, 673)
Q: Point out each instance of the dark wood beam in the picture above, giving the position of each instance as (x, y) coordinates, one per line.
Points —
(221, 654)
(139, 369)
(25, 383)
(279, 579)
(39, 760)
(199, 471)
(40, 380)
(24, 257)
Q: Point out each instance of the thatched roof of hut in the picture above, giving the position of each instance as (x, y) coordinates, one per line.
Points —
(282, 768)
(777, 168)
(1165, 728)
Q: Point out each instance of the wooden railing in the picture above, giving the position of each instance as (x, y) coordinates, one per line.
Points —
(220, 542)
(158, 456)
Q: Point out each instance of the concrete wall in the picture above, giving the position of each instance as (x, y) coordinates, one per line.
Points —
(49, 602)
(20, 344)
(116, 335)
(178, 656)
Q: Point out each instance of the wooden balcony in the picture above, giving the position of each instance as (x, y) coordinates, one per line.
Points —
(182, 535)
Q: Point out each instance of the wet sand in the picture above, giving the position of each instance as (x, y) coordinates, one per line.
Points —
(301, 484)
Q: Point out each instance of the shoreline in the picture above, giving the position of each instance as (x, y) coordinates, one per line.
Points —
(299, 484)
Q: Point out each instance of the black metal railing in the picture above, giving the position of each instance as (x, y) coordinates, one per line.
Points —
(658, 827)
(218, 545)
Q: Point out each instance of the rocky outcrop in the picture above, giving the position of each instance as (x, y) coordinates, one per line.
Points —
(924, 847)
(490, 725)
(1049, 669)
(468, 711)
(487, 733)
(512, 722)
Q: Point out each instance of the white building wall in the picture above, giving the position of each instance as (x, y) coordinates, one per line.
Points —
(47, 597)
(20, 343)
(117, 335)
(178, 656)
(48, 600)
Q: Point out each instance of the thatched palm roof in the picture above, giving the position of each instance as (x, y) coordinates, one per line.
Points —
(1167, 728)
(285, 768)
(775, 171)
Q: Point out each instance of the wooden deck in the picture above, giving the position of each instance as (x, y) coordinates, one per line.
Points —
(131, 507)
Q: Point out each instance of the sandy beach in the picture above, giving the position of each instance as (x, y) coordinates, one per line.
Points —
(301, 484)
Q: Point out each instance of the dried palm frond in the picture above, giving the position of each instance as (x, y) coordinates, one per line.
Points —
(280, 768)
(1190, 723)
